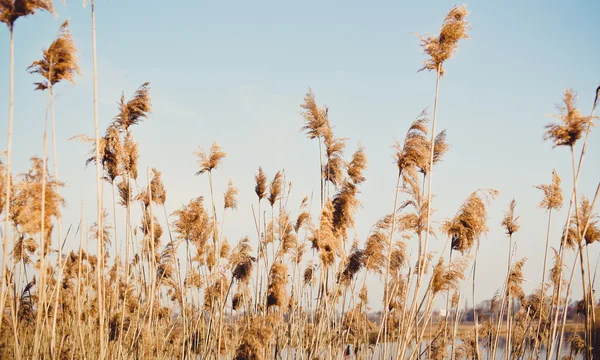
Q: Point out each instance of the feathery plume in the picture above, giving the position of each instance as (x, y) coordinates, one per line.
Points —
(553, 197)
(23, 248)
(309, 275)
(334, 150)
(469, 223)
(572, 125)
(375, 246)
(516, 279)
(592, 233)
(136, 109)
(261, 184)
(112, 153)
(441, 48)
(289, 241)
(555, 272)
(276, 295)
(11, 10)
(415, 150)
(509, 222)
(26, 207)
(211, 161)
(159, 194)
(357, 166)
(125, 193)
(448, 277)
(59, 61)
(315, 118)
(354, 264)
(345, 205)
(275, 188)
(230, 196)
(323, 239)
(193, 223)
(130, 156)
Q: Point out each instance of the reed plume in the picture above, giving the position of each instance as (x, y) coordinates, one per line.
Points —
(11, 10)
(555, 273)
(323, 239)
(23, 248)
(135, 110)
(276, 294)
(357, 166)
(315, 118)
(442, 47)
(261, 184)
(415, 149)
(316, 124)
(130, 156)
(374, 252)
(553, 197)
(572, 124)
(578, 223)
(192, 223)
(159, 194)
(230, 196)
(275, 189)
(112, 154)
(469, 223)
(26, 208)
(515, 281)
(333, 169)
(354, 263)
(448, 277)
(210, 161)
(510, 223)
(241, 261)
(345, 204)
(59, 61)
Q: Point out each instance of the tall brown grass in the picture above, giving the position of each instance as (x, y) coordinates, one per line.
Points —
(182, 289)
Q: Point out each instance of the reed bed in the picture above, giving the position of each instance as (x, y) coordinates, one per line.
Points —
(236, 300)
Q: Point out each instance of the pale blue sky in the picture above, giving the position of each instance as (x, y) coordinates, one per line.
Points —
(237, 72)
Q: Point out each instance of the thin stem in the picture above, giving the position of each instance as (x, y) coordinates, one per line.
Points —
(99, 268)
(42, 250)
(8, 177)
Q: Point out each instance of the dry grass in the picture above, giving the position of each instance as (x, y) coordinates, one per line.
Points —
(182, 289)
